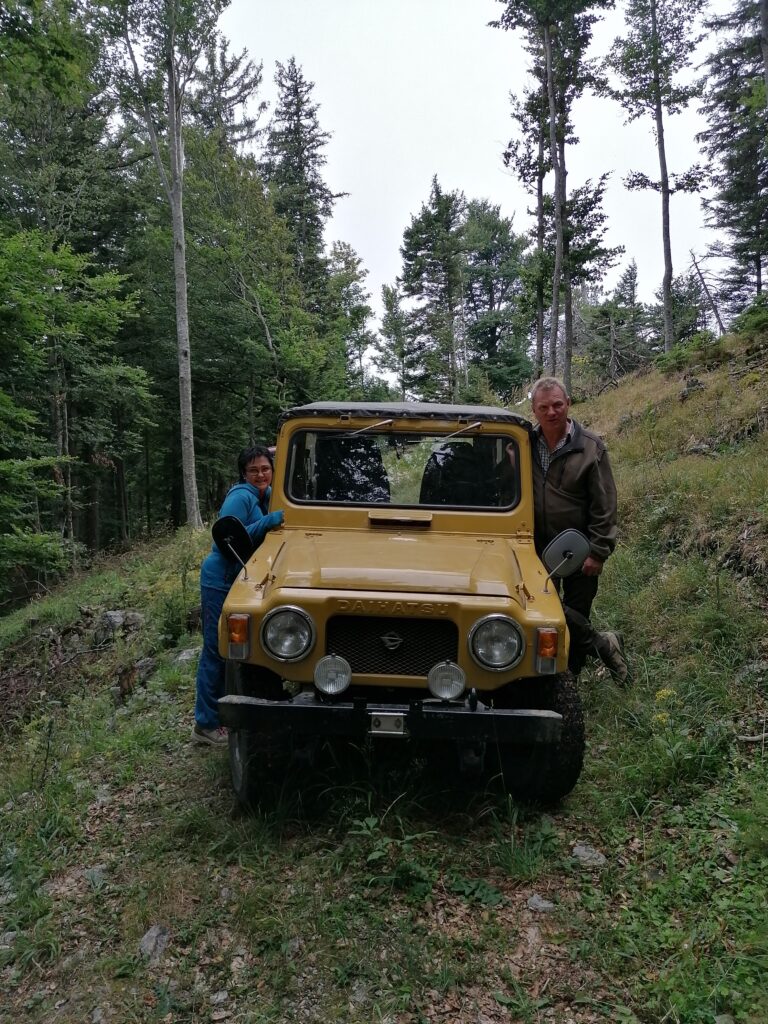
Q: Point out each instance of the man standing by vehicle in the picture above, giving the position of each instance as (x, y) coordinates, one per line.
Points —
(574, 489)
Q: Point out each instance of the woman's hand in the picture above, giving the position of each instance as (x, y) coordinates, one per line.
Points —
(273, 519)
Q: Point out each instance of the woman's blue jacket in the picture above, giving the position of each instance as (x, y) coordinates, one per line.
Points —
(244, 502)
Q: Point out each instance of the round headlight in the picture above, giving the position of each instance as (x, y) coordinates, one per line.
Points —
(496, 643)
(446, 681)
(288, 634)
(332, 675)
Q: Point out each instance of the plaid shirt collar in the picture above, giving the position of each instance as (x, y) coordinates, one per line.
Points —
(545, 455)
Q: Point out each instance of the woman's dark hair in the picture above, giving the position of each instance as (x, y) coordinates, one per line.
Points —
(256, 451)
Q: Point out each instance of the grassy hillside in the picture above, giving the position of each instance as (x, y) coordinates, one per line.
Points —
(388, 895)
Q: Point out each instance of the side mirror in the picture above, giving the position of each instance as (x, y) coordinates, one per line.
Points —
(566, 554)
(232, 540)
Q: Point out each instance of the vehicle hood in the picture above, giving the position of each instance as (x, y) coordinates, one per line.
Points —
(408, 562)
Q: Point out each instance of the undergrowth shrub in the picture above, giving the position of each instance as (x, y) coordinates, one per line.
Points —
(753, 321)
(702, 345)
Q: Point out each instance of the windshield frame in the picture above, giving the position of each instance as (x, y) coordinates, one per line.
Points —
(440, 444)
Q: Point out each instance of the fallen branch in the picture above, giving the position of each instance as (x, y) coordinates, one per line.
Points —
(753, 739)
(86, 650)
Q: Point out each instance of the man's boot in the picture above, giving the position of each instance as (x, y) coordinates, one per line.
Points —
(610, 649)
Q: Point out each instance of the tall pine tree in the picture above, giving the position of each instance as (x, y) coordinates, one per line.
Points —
(735, 141)
(432, 278)
(492, 296)
(293, 164)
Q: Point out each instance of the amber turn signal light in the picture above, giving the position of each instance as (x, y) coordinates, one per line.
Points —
(547, 643)
(237, 626)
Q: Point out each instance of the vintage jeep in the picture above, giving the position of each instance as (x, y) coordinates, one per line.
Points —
(402, 600)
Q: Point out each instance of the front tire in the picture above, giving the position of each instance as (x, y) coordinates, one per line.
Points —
(256, 759)
(545, 773)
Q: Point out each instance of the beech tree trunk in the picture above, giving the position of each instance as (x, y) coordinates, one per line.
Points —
(666, 284)
(567, 348)
(147, 486)
(122, 500)
(554, 156)
(540, 252)
(453, 359)
(93, 517)
(173, 183)
(176, 196)
(69, 520)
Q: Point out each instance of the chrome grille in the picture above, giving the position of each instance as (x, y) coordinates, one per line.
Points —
(392, 647)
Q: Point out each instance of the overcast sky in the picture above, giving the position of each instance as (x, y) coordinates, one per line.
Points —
(414, 88)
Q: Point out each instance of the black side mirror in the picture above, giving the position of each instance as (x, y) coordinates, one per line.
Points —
(566, 554)
(232, 539)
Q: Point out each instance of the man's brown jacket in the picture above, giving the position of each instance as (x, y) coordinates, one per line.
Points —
(578, 492)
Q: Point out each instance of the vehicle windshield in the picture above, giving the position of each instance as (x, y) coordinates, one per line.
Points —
(403, 468)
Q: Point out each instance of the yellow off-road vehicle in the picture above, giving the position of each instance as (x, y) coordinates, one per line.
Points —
(402, 600)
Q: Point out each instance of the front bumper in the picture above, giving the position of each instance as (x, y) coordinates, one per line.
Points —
(304, 715)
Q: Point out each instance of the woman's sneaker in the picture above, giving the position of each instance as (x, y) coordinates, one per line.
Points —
(610, 647)
(212, 737)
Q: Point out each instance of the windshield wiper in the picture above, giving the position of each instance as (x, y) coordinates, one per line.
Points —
(469, 426)
(372, 426)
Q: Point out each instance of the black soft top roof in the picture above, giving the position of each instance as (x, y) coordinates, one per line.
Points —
(407, 410)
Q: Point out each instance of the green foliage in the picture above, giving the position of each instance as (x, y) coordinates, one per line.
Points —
(292, 165)
(432, 276)
(349, 326)
(651, 59)
(492, 299)
(395, 858)
(476, 890)
(524, 851)
(589, 258)
(53, 161)
(753, 321)
(72, 397)
(466, 329)
(85, 370)
(393, 348)
(26, 555)
(734, 139)
(651, 55)
(615, 336)
(691, 310)
(570, 228)
(701, 345)
(695, 912)
(752, 822)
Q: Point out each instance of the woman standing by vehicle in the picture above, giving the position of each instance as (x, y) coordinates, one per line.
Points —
(248, 500)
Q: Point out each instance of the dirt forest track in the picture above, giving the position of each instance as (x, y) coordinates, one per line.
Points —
(164, 896)
(134, 888)
(153, 891)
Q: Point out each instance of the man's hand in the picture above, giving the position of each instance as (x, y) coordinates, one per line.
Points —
(592, 566)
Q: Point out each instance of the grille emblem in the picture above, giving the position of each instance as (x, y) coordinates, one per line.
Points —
(391, 641)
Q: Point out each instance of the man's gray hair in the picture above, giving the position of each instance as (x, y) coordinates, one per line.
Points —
(546, 384)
